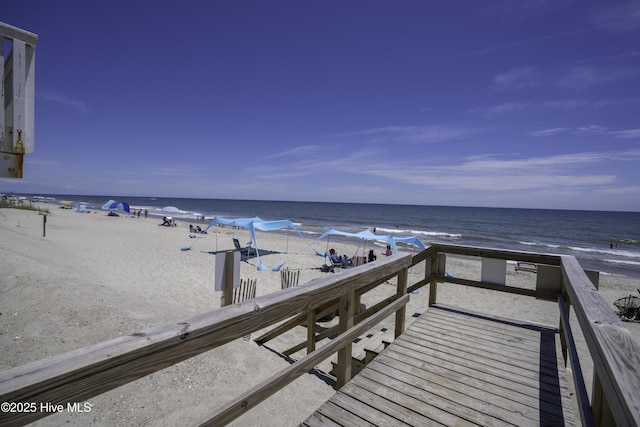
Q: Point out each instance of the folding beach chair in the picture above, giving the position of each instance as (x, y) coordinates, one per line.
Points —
(244, 252)
(628, 307)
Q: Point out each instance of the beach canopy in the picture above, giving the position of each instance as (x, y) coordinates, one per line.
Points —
(253, 224)
(368, 235)
(117, 206)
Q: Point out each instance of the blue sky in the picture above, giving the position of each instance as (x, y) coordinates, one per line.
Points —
(468, 103)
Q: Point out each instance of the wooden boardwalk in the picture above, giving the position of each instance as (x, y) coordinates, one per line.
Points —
(453, 367)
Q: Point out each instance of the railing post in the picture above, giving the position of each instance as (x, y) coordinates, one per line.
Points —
(347, 312)
(602, 415)
(563, 340)
(228, 278)
(311, 331)
(438, 262)
(401, 290)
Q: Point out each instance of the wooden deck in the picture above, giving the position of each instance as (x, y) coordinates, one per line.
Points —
(458, 368)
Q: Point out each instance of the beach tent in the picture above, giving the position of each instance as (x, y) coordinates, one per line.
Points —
(82, 208)
(253, 224)
(117, 206)
(368, 235)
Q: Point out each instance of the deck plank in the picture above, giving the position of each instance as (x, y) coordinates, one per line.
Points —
(456, 368)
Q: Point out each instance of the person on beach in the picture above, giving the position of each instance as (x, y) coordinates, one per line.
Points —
(333, 257)
(372, 256)
(388, 251)
(343, 261)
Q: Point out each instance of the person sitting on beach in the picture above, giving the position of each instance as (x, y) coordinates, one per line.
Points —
(372, 256)
(388, 251)
(343, 261)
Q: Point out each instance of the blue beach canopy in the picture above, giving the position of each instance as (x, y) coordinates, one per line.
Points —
(368, 235)
(253, 224)
(118, 206)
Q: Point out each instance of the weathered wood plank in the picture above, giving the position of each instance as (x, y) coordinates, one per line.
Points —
(331, 412)
(527, 330)
(616, 355)
(386, 400)
(520, 349)
(466, 357)
(442, 410)
(491, 379)
(461, 378)
(374, 411)
(459, 383)
(543, 383)
(465, 337)
(464, 393)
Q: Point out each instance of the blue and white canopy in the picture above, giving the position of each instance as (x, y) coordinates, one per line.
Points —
(118, 206)
(368, 235)
(253, 224)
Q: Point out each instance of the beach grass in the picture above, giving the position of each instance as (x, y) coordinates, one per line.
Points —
(14, 204)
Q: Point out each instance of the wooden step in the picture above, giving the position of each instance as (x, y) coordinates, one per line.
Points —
(363, 349)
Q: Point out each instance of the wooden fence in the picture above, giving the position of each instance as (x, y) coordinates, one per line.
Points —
(84, 373)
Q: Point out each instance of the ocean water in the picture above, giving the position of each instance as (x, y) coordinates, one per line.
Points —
(605, 241)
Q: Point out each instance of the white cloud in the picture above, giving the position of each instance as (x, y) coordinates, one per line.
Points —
(490, 173)
(627, 134)
(503, 108)
(571, 104)
(303, 150)
(62, 99)
(581, 78)
(619, 16)
(547, 132)
(592, 129)
(517, 78)
(431, 133)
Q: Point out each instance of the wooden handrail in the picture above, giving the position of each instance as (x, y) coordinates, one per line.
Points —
(586, 415)
(80, 374)
(616, 355)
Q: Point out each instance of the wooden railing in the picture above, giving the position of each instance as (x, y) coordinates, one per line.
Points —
(80, 374)
(615, 354)
(84, 373)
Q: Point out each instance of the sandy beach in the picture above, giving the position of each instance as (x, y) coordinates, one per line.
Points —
(94, 277)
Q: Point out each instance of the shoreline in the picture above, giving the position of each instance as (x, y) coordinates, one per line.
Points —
(589, 239)
(94, 278)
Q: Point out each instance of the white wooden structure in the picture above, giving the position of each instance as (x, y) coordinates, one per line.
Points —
(17, 98)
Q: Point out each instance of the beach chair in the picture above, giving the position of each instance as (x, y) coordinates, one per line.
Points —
(289, 278)
(526, 266)
(246, 251)
(628, 307)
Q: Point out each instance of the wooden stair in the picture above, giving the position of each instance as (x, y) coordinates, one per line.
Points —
(365, 348)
